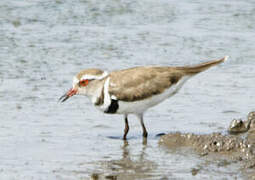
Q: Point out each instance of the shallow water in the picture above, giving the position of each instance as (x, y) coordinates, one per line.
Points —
(44, 43)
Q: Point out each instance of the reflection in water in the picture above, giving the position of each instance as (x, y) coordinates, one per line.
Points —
(44, 43)
(130, 166)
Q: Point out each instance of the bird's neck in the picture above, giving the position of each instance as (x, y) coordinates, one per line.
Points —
(95, 90)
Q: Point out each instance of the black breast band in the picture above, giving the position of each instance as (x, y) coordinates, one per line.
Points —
(114, 106)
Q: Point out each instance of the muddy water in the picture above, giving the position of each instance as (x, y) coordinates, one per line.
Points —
(44, 43)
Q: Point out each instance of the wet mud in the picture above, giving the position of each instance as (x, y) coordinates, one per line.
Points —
(236, 146)
(44, 43)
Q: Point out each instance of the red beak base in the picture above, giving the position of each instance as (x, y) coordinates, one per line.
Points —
(69, 94)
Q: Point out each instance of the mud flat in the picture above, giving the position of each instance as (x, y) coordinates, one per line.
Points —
(234, 148)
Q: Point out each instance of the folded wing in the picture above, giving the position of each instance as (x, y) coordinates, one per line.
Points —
(142, 82)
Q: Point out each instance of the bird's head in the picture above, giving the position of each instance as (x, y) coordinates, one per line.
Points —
(83, 81)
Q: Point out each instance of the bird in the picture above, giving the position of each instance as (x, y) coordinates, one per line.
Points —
(133, 90)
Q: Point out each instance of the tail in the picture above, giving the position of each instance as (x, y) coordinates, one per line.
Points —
(201, 67)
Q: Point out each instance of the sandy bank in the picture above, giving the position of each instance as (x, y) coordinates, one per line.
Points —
(238, 147)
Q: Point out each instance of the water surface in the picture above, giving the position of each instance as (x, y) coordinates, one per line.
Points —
(43, 43)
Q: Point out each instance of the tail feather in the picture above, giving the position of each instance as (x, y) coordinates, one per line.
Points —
(201, 67)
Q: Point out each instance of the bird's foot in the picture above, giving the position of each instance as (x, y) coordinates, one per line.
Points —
(145, 134)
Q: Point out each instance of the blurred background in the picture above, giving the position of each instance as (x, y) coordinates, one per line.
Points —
(44, 43)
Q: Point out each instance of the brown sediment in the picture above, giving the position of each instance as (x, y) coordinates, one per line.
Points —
(233, 147)
(204, 144)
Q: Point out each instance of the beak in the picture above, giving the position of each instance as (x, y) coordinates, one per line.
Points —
(67, 95)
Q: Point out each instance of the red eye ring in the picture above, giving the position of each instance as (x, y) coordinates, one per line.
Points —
(84, 82)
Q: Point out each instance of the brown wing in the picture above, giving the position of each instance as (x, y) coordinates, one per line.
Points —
(142, 82)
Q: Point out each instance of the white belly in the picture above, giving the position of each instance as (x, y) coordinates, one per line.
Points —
(141, 106)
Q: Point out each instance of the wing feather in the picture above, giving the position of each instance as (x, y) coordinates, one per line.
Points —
(142, 82)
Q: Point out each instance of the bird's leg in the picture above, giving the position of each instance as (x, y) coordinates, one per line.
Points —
(126, 127)
(145, 134)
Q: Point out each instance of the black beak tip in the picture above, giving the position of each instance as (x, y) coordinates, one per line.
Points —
(63, 98)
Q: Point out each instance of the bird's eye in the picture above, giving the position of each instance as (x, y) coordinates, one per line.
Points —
(83, 83)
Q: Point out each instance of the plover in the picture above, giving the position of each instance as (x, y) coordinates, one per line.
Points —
(133, 90)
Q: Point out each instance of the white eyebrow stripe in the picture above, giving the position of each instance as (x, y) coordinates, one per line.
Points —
(94, 77)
